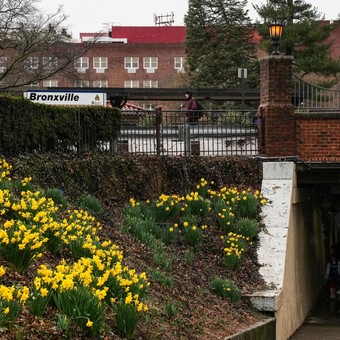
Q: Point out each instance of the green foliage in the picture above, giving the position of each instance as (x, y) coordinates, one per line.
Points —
(89, 203)
(218, 42)
(147, 121)
(170, 310)
(225, 288)
(83, 306)
(248, 206)
(127, 318)
(58, 197)
(303, 36)
(247, 227)
(162, 278)
(162, 260)
(43, 128)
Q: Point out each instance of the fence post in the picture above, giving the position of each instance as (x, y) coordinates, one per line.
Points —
(158, 130)
(187, 146)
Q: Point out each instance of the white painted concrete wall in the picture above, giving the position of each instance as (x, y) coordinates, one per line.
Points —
(289, 249)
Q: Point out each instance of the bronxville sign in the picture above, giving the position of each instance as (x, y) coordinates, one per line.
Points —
(66, 98)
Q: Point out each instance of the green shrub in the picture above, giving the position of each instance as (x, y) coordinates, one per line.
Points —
(58, 197)
(248, 206)
(247, 227)
(89, 203)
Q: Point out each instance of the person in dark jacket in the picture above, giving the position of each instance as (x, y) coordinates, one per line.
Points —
(191, 108)
(332, 275)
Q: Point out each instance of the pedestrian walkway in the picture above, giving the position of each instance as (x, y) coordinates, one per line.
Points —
(323, 323)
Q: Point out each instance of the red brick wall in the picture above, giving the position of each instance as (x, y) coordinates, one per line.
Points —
(318, 137)
(276, 126)
(116, 74)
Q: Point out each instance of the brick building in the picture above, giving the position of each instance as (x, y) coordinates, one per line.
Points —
(138, 57)
(129, 57)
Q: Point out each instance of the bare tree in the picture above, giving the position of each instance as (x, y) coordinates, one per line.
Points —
(34, 46)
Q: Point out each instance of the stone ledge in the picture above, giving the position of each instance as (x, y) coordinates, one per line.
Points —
(265, 301)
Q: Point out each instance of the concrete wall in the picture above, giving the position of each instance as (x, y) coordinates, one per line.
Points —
(291, 250)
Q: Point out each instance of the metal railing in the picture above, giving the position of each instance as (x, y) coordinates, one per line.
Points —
(216, 133)
(312, 98)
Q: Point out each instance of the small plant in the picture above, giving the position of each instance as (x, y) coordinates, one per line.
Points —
(248, 205)
(128, 313)
(11, 302)
(247, 227)
(192, 233)
(89, 203)
(235, 246)
(170, 233)
(162, 278)
(64, 322)
(170, 310)
(162, 260)
(190, 257)
(26, 243)
(39, 298)
(225, 288)
(58, 197)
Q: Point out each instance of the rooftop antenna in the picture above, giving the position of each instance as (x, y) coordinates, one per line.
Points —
(164, 20)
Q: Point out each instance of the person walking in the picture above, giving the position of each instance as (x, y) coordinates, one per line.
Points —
(191, 108)
(332, 276)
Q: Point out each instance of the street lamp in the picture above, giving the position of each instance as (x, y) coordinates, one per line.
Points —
(275, 33)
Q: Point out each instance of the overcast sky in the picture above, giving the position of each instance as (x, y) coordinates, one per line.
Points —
(91, 16)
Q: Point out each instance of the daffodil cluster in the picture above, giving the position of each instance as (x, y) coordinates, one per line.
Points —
(30, 224)
(189, 215)
(235, 247)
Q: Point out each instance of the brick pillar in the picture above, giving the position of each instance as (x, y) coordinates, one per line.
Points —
(276, 128)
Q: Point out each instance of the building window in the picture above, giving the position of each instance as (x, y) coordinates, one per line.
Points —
(131, 63)
(50, 83)
(50, 63)
(150, 63)
(148, 84)
(3, 64)
(131, 83)
(179, 64)
(100, 83)
(100, 62)
(81, 64)
(34, 84)
(32, 63)
(81, 83)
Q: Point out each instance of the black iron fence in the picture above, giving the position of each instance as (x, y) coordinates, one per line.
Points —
(216, 133)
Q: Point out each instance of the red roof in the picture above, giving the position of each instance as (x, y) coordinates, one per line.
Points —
(150, 34)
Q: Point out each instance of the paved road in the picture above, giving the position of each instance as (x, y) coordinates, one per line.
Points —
(323, 323)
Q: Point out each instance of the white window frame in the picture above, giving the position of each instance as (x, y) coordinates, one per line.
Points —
(32, 63)
(81, 83)
(179, 64)
(100, 83)
(150, 84)
(82, 63)
(50, 63)
(100, 63)
(131, 63)
(50, 83)
(150, 63)
(129, 84)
